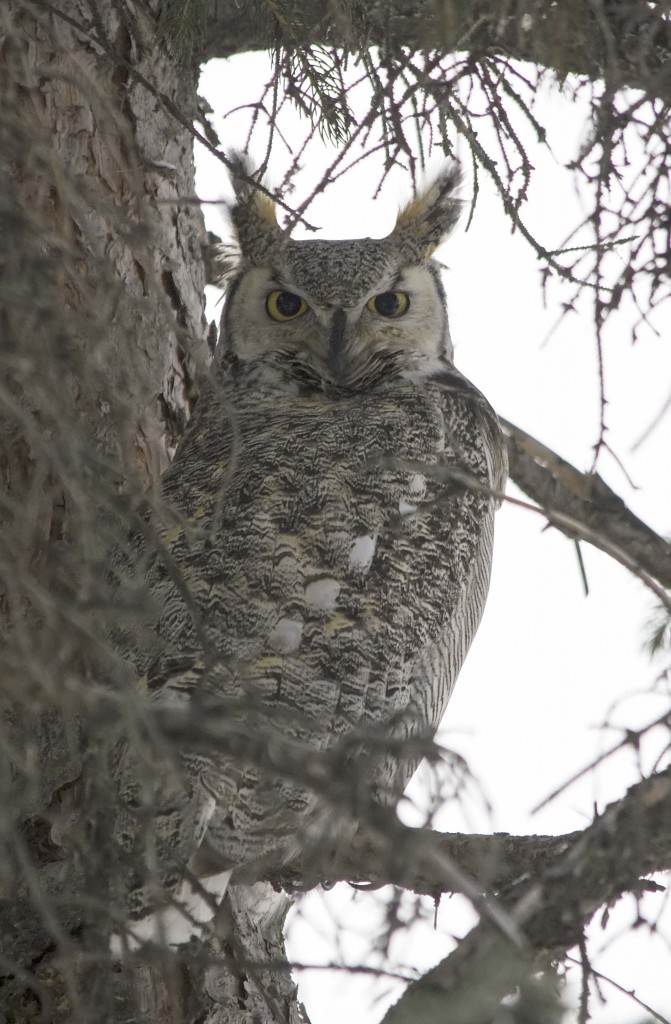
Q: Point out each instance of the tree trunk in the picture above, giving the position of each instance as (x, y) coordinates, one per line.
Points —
(103, 335)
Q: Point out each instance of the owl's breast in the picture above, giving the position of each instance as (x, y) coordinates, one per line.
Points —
(328, 471)
(326, 557)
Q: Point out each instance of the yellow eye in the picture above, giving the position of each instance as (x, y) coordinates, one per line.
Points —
(285, 306)
(389, 304)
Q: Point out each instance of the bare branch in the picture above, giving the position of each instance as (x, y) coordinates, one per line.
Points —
(392, 853)
(561, 488)
(552, 909)
(631, 42)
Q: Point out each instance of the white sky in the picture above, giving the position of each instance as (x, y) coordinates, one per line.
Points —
(548, 664)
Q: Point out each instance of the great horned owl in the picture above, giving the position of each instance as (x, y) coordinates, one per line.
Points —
(318, 573)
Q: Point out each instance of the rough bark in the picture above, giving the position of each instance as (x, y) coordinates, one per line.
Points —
(102, 338)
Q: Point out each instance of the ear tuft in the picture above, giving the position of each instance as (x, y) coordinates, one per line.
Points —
(253, 212)
(225, 261)
(429, 218)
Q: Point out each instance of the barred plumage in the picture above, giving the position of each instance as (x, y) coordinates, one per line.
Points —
(317, 575)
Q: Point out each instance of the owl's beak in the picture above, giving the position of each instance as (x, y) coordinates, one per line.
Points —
(337, 345)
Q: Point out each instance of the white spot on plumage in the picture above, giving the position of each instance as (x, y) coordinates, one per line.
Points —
(286, 635)
(416, 491)
(322, 593)
(362, 552)
(417, 485)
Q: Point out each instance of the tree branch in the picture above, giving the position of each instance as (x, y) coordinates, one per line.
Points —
(629, 43)
(388, 852)
(496, 861)
(559, 487)
(424, 861)
(552, 909)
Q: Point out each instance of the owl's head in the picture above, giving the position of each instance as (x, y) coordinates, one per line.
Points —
(340, 314)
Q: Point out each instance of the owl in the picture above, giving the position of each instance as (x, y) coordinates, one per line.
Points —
(319, 559)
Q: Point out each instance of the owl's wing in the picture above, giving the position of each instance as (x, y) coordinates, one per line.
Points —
(431, 574)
